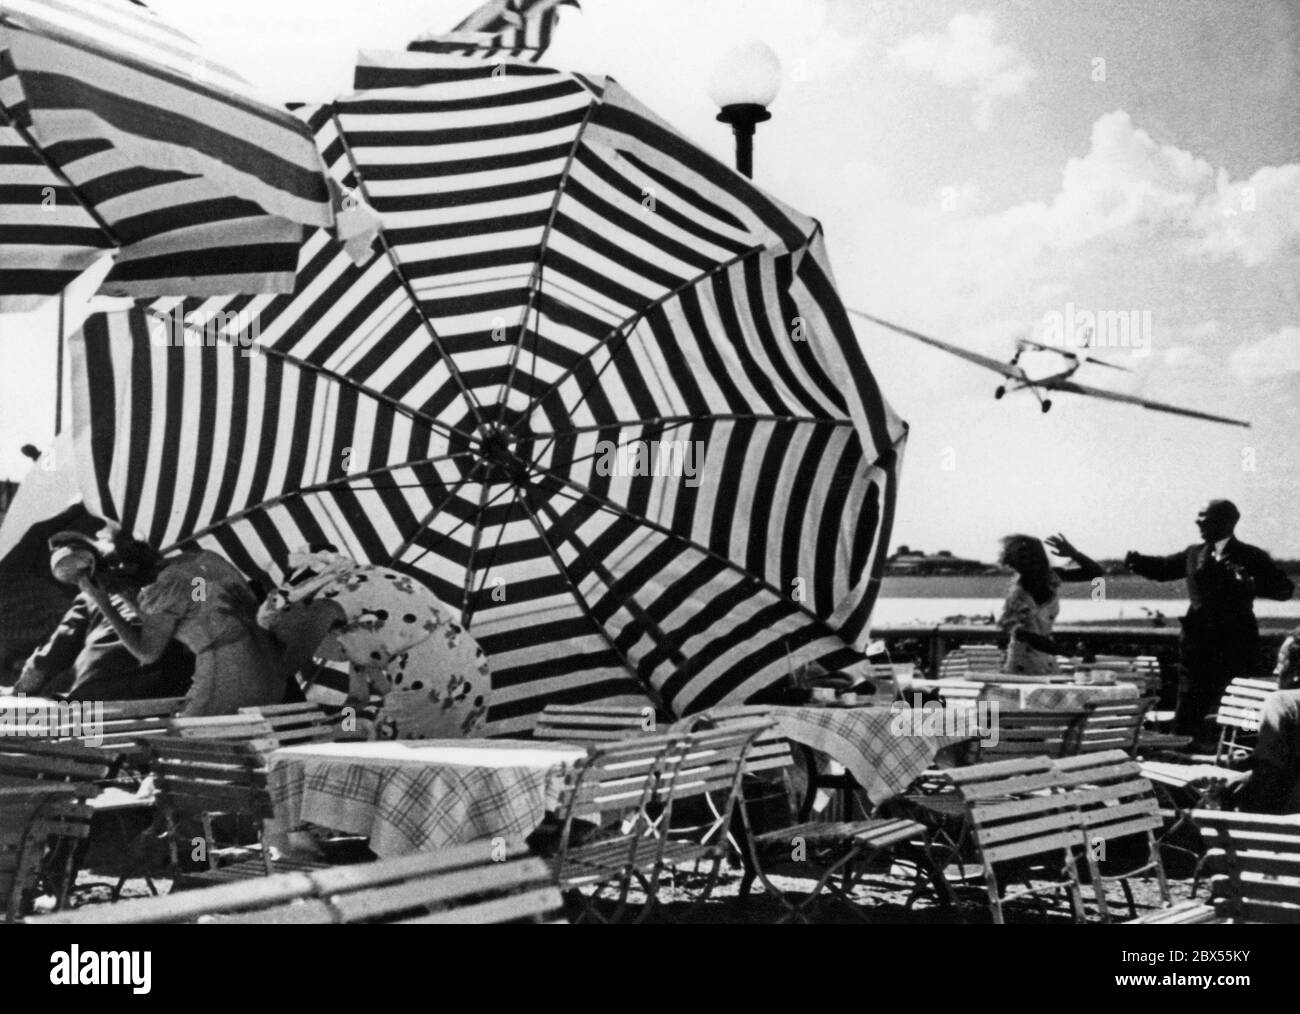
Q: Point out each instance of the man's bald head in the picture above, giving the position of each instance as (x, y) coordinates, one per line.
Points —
(1217, 520)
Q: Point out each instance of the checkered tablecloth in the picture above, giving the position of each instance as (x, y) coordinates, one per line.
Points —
(1055, 697)
(881, 750)
(419, 795)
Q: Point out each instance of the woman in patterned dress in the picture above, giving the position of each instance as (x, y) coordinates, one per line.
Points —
(1033, 603)
(402, 643)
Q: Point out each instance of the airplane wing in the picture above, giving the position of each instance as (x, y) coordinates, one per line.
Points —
(996, 365)
(1155, 406)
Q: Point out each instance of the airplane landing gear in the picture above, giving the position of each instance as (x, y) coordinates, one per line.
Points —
(999, 392)
(1047, 405)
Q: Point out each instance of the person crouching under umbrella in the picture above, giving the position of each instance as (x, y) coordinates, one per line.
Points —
(400, 641)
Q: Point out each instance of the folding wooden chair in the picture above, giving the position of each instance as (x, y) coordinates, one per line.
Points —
(621, 780)
(200, 780)
(1191, 786)
(1003, 814)
(1256, 859)
(822, 848)
(1117, 805)
(1113, 725)
(1238, 720)
(596, 723)
(1035, 734)
(707, 764)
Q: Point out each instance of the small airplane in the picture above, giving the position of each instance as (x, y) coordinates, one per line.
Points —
(1019, 380)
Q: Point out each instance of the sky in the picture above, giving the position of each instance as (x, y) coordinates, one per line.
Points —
(980, 169)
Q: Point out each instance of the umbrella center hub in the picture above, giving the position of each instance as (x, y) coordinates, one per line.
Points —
(503, 464)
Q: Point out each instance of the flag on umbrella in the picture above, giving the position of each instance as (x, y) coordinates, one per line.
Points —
(600, 395)
(118, 132)
(516, 28)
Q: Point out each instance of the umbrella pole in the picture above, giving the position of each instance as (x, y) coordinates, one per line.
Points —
(86, 206)
(58, 373)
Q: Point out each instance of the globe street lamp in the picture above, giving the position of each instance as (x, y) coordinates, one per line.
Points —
(744, 84)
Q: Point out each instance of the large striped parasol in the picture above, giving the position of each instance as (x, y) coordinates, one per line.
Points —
(119, 134)
(600, 395)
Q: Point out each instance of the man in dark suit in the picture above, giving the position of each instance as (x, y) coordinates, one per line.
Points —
(1220, 639)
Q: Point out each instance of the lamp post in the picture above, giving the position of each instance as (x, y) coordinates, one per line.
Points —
(744, 84)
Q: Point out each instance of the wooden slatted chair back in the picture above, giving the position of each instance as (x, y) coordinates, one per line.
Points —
(298, 724)
(467, 884)
(1115, 799)
(1261, 855)
(110, 726)
(596, 723)
(950, 690)
(712, 760)
(189, 906)
(618, 778)
(769, 752)
(1113, 725)
(197, 777)
(228, 728)
(1238, 716)
(1015, 812)
(1001, 779)
(618, 775)
(1034, 733)
(984, 657)
(23, 757)
(126, 722)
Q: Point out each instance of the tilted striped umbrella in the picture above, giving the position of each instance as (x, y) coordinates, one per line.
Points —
(117, 132)
(519, 29)
(600, 395)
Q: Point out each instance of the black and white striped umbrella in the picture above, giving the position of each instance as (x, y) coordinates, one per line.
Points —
(600, 395)
(118, 133)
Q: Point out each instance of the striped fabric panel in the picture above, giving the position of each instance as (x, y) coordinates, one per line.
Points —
(205, 185)
(705, 317)
(520, 29)
(46, 238)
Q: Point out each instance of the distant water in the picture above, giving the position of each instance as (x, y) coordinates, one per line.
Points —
(932, 599)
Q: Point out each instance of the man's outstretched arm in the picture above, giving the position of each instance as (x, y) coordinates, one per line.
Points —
(1157, 568)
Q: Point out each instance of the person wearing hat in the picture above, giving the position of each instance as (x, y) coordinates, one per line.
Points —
(84, 658)
(1220, 636)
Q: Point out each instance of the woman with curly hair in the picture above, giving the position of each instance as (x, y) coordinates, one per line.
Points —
(1032, 602)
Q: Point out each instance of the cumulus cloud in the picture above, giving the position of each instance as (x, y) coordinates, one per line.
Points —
(1131, 190)
(967, 56)
(1278, 355)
